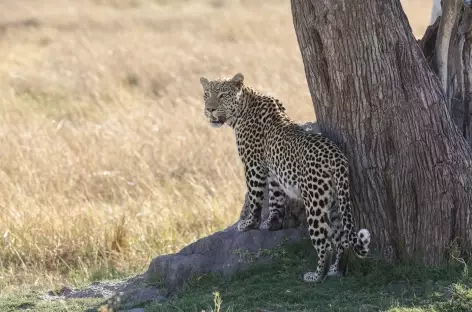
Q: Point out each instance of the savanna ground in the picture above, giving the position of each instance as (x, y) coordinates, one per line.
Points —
(107, 161)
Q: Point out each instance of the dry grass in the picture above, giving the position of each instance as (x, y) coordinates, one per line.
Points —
(106, 160)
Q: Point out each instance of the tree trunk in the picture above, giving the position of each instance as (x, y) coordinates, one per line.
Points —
(375, 94)
(453, 60)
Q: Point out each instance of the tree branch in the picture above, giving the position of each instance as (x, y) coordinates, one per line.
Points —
(449, 17)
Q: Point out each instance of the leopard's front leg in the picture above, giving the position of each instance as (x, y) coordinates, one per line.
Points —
(256, 180)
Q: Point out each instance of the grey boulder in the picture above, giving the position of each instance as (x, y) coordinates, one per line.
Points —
(226, 252)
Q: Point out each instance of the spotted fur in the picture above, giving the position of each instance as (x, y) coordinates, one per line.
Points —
(294, 162)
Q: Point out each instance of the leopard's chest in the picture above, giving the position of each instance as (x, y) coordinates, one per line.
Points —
(289, 185)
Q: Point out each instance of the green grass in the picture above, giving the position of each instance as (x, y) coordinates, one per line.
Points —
(371, 285)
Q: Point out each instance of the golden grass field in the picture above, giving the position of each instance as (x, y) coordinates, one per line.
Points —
(106, 158)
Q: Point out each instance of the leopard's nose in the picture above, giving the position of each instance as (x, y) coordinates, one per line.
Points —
(212, 112)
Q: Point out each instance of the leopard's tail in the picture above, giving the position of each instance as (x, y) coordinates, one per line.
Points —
(358, 241)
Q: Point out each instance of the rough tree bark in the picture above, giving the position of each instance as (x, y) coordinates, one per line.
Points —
(375, 94)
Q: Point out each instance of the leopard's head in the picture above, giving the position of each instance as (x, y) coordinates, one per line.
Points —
(221, 97)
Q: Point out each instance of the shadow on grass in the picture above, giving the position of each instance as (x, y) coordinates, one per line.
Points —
(371, 285)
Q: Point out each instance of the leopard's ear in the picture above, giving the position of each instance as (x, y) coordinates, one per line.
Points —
(238, 80)
(204, 82)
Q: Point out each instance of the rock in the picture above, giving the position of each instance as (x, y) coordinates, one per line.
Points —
(312, 127)
(227, 252)
(142, 295)
(131, 292)
(96, 290)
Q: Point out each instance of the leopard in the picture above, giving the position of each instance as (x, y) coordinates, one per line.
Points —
(277, 152)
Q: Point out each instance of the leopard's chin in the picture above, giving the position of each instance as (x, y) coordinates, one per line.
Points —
(216, 123)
